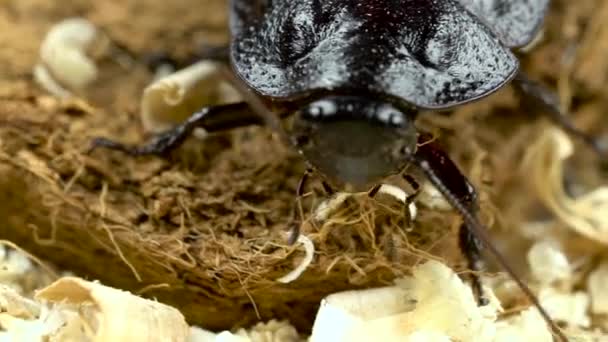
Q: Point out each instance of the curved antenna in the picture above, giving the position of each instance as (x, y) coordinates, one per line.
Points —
(480, 232)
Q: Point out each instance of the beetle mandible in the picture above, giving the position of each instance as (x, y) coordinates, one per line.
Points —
(355, 74)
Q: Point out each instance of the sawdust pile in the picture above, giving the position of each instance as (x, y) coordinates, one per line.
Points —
(205, 229)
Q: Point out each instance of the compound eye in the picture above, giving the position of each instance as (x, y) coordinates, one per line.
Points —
(319, 109)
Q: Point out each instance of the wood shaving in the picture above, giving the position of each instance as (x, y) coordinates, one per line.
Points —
(64, 65)
(545, 163)
(118, 315)
(309, 248)
(404, 311)
(548, 263)
(73, 309)
(597, 287)
(571, 308)
(173, 98)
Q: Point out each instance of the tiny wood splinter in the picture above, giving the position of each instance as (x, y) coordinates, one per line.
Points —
(355, 75)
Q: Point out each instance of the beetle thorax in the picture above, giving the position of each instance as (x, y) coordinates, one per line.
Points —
(353, 140)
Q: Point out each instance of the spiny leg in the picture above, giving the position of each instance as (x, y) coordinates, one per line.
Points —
(441, 171)
(212, 119)
(444, 170)
(410, 199)
(295, 230)
(549, 103)
(471, 247)
(326, 206)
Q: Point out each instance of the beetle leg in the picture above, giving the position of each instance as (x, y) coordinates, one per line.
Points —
(471, 247)
(436, 162)
(295, 230)
(548, 101)
(331, 204)
(441, 171)
(410, 199)
(212, 119)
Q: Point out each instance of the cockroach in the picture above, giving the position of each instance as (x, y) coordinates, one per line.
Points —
(354, 75)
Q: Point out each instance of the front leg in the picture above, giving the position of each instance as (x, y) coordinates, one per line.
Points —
(436, 162)
(441, 171)
(296, 212)
(212, 119)
(548, 102)
(471, 247)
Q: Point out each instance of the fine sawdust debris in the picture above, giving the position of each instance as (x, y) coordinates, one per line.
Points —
(204, 230)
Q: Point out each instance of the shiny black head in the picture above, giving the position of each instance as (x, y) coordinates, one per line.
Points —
(353, 140)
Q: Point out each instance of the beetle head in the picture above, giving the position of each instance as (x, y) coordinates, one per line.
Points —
(354, 140)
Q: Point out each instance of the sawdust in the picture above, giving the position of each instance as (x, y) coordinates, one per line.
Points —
(205, 229)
